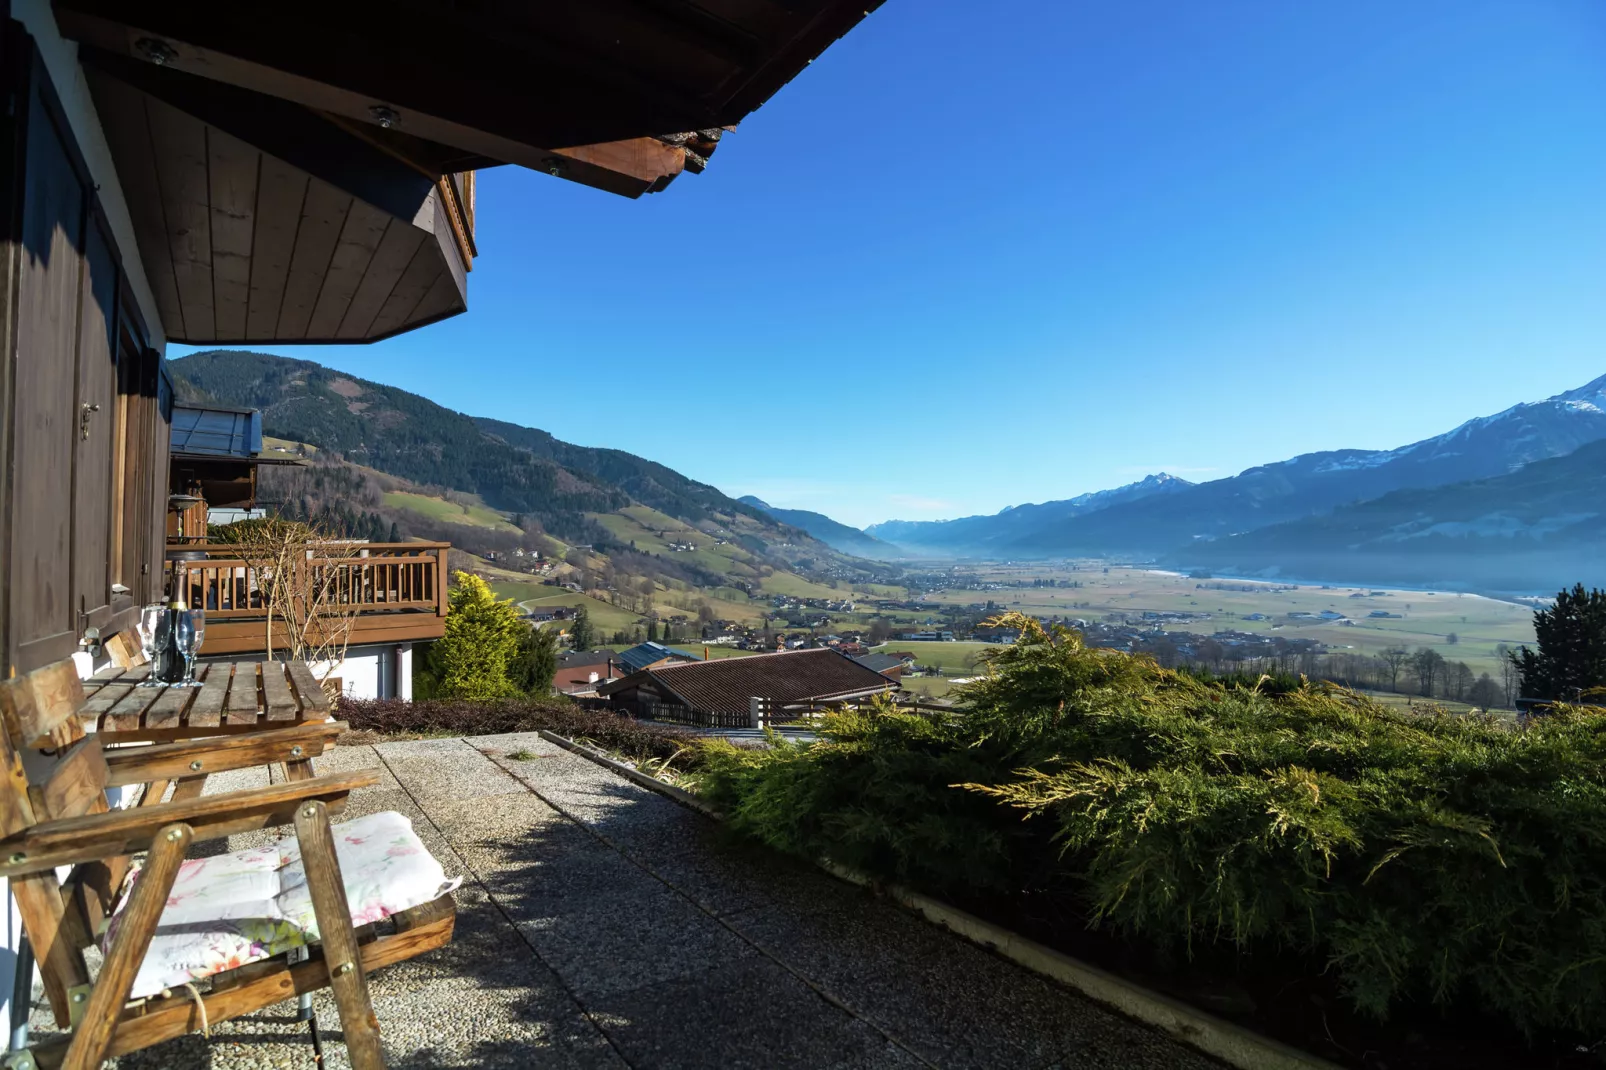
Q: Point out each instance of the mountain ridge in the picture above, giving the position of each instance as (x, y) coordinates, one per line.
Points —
(990, 532)
(1315, 483)
(1535, 528)
(1158, 524)
(833, 533)
(545, 483)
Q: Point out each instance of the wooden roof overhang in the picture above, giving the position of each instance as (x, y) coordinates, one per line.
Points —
(504, 79)
(301, 171)
(259, 221)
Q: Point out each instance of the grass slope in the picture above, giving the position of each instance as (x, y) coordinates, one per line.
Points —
(449, 512)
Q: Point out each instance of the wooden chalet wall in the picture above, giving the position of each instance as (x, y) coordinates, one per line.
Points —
(84, 403)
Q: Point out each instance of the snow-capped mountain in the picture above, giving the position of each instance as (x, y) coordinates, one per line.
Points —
(987, 534)
(1536, 529)
(1316, 483)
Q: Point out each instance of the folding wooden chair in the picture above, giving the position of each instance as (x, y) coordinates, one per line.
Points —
(163, 946)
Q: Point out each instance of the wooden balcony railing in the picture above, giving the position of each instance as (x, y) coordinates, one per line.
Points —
(397, 590)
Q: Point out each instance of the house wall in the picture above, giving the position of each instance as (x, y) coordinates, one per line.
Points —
(67, 75)
(82, 491)
(84, 400)
(379, 671)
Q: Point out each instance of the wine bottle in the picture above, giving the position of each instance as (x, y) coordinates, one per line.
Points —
(169, 664)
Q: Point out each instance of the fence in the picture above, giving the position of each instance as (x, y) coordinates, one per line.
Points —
(813, 710)
(374, 593)
(770, 712)
(379, 577)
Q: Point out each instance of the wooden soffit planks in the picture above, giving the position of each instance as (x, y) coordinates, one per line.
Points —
(340, 243)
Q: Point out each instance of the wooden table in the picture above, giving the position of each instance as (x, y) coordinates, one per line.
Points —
(234, 697)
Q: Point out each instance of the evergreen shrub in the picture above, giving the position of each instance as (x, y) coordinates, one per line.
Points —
(1427, 860)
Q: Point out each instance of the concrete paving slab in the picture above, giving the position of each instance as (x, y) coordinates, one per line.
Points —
(444, 770)
(951, 1002)
(698, 858)
(354, 760)
(752, 1014)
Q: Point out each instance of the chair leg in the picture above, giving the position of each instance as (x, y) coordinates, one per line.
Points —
(138, 924)
(189, 787)
(61, 958)
(155, 792)
(340, 951)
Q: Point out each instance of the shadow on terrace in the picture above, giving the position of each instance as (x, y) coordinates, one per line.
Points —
(601, 925)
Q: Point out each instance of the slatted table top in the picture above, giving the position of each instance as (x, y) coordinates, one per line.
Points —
(234, 696)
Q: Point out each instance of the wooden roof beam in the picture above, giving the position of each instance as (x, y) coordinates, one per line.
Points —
(444, 73)
(629, 168)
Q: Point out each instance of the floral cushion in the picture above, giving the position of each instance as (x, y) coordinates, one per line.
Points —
(228, 910)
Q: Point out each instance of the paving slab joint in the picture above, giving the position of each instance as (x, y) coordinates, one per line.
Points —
(1231, 1043)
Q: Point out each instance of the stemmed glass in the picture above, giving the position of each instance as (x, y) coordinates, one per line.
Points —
(152, 635)
(195, 619)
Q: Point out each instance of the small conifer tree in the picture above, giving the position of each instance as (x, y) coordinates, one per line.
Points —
(581, 632)
(535, 662)
(482, 638)
(1571, 659)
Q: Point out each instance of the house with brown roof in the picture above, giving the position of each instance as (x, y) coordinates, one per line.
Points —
(720, 691)
(581, 672)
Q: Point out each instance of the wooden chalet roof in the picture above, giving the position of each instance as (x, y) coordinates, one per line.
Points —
(725, 685)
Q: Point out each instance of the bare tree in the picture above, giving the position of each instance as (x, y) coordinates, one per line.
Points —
(1509, 675)
(1394, 659)
(310, 587)
(1427, 663)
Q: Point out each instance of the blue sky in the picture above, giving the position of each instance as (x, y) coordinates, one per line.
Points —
(983, 254)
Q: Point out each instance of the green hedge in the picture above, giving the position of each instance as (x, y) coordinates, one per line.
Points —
(1425, 859)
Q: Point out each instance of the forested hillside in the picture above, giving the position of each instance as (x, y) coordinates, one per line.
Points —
(387, 459)
(401, 433)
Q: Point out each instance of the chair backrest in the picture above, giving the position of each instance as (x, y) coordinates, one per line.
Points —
(125, 651)
(50, 770)
(63, 771)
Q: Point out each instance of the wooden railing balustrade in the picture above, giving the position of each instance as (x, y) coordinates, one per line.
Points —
(398, 590)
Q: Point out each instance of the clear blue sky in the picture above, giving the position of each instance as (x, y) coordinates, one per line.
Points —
(982, 254)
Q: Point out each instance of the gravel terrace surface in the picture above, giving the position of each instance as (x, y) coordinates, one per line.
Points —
(602, 925)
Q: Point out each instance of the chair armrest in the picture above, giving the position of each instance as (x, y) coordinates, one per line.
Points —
(95, 836)
(217, 754)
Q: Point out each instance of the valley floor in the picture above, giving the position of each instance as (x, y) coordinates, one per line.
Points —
(1420, 618)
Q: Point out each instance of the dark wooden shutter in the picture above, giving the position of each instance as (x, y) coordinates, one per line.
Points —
(94, 444)
(44, 625)
(85, 424)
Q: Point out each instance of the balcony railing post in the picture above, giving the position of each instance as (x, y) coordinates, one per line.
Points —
(440, 581)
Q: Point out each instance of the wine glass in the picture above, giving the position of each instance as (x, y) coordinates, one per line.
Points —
(198, 629)
(152, 627)
(184, 639)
